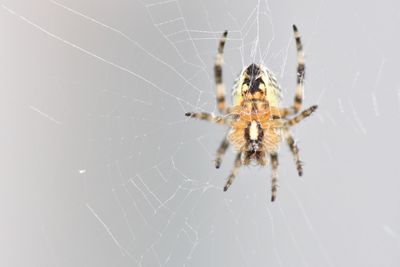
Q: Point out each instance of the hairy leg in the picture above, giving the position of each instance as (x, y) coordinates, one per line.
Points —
(234, 171)
(304, 114)
(207, 117)
(294, 149)
(274, 181)
(221, 103)
(221, 151)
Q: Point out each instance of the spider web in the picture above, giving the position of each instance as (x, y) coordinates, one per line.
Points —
(143, 190)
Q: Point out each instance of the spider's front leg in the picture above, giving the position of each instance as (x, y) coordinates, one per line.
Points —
(301, 72)
(221, 103)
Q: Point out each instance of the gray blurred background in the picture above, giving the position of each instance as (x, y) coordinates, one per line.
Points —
(99, 167)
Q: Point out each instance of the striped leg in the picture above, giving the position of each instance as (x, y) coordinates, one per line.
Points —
(221, 151)
(282, 113)
(218, 75)
(304, 114)
(279, 113)
(295, 150)
(274, 181)
(236, 166)
(298, 99)
(207, 117)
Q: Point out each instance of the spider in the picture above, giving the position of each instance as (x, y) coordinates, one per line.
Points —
(257, 122)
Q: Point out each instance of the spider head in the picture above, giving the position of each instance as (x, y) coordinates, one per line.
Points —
(255, 82)
(253, 85)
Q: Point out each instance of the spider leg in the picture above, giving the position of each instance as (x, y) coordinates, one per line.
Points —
(301, 71)
(236, 166)
(207, 117)
(218, 74)
(304, 114)
(274, 174)
(295, 150)
(221, 151)
(280, 113)
(284, 112)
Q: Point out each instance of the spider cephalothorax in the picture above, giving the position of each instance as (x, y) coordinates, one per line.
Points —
(257, 121)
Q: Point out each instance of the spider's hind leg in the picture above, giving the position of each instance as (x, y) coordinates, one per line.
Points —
(274, 181)
(221, 151)
(236, 166)
(294, 149)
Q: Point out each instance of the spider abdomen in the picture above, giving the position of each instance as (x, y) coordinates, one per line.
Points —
(255, 137)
